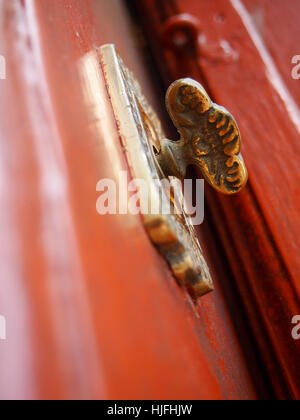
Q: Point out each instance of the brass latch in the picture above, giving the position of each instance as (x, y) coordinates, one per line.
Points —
(209, 138)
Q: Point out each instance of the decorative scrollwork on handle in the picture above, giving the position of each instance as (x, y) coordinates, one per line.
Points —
(209, 138)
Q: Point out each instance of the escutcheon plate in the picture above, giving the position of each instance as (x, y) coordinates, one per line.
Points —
(141, 135)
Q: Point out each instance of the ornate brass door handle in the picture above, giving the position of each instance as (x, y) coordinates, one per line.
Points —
(209, 138)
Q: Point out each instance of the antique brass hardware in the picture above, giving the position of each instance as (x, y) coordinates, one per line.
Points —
(152, 157)
(209, 138)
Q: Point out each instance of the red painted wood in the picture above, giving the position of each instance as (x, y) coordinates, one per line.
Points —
(279, 28)
(92, 309)
(247, 69)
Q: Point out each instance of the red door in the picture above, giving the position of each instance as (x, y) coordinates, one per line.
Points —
(92, 310)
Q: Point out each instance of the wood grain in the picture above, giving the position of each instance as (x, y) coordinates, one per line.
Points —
(248, 71)
(92, 309)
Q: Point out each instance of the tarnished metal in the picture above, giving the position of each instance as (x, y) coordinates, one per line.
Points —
(141, 135)
(209, 138)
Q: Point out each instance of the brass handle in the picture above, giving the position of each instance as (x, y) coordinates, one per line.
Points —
(209, 138)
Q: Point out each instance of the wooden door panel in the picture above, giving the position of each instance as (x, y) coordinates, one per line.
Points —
(279, 30)
(259, 229)
(92, 309)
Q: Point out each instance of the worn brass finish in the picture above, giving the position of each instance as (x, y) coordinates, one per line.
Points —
(141, 134)
(209, 138)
